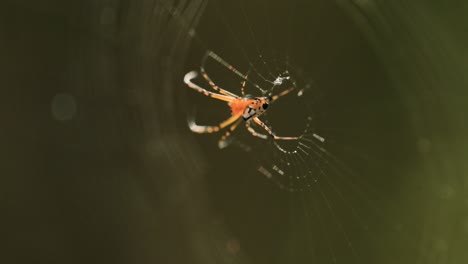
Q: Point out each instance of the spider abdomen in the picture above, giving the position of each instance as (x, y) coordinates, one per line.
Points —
(249, 108)
(238, 106)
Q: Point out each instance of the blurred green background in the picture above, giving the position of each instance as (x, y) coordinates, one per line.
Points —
(98, 166)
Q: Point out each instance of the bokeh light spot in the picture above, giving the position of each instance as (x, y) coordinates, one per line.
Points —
(233, 246)
(63, 107)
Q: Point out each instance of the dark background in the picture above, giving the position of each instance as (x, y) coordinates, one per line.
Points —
(97, 163)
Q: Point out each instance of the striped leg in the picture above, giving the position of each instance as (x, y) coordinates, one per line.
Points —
(283, 93)
(210, 129)
(243, 83)
(192, 75)
(211, 83)
(222, 143)
(267, 129)
(213, 55)
(253, 132)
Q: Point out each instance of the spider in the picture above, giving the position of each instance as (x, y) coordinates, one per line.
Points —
(243, 108)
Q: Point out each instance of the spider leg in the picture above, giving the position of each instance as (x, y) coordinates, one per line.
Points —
(210, 129)
(244, 82)
(210, 82)
(213, 55)
(283, 93)
(267, 129)
(253, 132)
(222, 143)
(193, 74)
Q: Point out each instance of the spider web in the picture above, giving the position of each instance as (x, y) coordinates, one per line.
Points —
(326, 171)
(295, 165)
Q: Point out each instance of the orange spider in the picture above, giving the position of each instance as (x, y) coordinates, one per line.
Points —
(243, 108)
